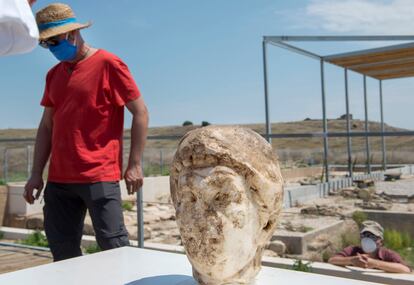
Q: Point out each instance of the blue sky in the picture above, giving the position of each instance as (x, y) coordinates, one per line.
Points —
(201, 60)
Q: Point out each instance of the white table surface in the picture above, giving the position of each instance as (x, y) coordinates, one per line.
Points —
(133, 266)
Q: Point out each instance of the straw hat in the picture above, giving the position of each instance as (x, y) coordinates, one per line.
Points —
(56, 19)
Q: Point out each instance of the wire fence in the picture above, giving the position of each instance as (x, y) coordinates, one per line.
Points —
(16, 156)
(17, 162)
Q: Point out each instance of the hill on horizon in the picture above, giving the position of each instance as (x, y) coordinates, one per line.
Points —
(400, 149)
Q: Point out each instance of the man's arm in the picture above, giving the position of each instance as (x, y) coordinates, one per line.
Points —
(393, 267)
(133, 175)
(41, 155)
(348, 260)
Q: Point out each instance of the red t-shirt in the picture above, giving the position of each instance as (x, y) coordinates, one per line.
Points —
(88, 100)
(383, 254)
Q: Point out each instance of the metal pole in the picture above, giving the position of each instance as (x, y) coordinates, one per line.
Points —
(6, 165)
(161, 162)
(384, 152)
(348, 126)
(325, 124)
(140, 215)
(28, 161)
(368, 152)
(266, 93)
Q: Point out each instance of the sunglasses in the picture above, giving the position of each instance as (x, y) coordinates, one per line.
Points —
(50, 42)
(369, 235)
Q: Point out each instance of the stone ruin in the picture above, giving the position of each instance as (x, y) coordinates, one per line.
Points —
(227, 190)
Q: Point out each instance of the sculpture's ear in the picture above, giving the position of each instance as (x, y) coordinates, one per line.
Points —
(268, 229)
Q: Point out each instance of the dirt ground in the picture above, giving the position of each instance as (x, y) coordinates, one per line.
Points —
(160, 225)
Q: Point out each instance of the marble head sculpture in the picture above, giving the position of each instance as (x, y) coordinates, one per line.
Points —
(227, 190)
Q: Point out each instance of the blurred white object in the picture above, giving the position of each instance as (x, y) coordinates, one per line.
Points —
(18, 29)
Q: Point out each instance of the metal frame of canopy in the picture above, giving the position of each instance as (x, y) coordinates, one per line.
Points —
(384, 63)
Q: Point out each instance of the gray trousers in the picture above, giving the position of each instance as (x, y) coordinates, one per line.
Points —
(64, 215)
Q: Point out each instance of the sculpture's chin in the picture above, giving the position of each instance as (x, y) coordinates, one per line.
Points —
(234, 272)
(238, 278)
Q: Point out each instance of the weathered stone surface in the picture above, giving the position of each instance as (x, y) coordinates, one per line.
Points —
(308, 181)
(88, 227)
(311, 210)
(16, 221)
(319, 245)
(321, 210)
(151, 218)
(295, 227)
(366, 193)
(34, 222)
(365, 183)
(167, 216)
(227, 190)
(277, 247)
(133, 232)
(130, 219)
(374, 205)
(351, 192)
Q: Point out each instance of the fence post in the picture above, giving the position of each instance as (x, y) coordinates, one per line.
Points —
(161, 162)
(29, 161)
(290, 199)
(5, 165)
(140, 214)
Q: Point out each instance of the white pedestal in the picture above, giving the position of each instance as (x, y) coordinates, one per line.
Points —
(133, 266)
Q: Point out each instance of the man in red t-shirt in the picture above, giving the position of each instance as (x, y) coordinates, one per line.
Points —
(371, 253)
(81, 130)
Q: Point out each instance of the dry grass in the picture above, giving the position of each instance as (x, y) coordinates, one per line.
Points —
(291, 151)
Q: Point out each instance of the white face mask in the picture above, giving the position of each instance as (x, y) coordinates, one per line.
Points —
(368, 245)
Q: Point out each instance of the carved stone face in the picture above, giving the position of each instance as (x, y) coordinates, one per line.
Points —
(227, 190)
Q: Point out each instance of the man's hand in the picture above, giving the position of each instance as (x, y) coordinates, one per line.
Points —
(370, 262)
(359, 261)
(35, 182)
(133, 178)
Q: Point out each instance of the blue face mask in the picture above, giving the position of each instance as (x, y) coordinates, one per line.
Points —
(64, 50)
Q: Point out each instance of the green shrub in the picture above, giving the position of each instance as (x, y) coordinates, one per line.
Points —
(359, 217)
(350, 238)
(326, 255)
(205, 124)
(127, 205)
(402, 243)
(151, 170)
(299, 265)
(305, 229)
(407, 241)
(393, 239)
(1, 235)
(36, 239)
(187, 123)
(93, 248)
(408, 256)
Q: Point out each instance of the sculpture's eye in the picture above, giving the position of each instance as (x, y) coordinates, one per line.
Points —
(221, 197)
(253, 189)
